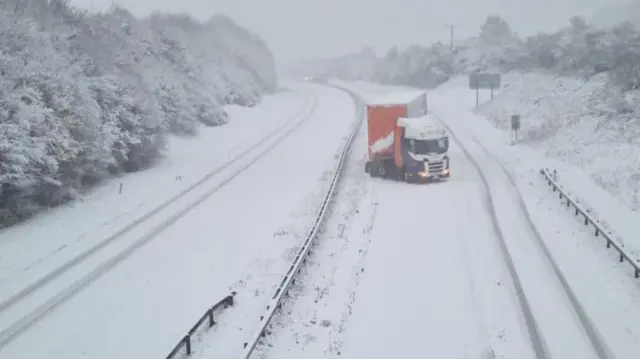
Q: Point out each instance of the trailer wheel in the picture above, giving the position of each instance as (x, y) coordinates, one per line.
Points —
(382, 172)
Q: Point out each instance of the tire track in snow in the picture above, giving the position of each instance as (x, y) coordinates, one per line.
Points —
(597, 342)
(42, 308)
(481, 322)
(537, 340)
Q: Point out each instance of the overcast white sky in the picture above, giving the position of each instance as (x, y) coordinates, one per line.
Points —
(309, 28)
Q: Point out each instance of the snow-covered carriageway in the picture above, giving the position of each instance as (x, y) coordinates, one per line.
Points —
(239, 237)
(455, 269)
(434, 281)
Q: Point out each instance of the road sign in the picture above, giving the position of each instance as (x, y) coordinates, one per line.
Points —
(515, 127)
(486, 81)
(515, 122)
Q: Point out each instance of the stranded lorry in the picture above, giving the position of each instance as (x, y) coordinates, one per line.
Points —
(406, 143)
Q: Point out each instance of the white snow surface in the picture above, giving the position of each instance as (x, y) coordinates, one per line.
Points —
(432, 278)
(33, 248)
(409, 275)
(575, 121)
(272, 258)
(568, 123)
(232, 241)
(421, 128)
(98, 93)
(605, 288)
(383, 143)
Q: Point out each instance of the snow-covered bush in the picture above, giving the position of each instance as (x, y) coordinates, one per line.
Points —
(83, 97)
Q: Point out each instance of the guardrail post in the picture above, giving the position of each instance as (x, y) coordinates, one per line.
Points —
(187, 343)
(210, 315)
(551, 178)
(231, 299)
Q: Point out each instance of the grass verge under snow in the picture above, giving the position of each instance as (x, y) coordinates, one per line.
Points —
(593, 161)
(575, 121)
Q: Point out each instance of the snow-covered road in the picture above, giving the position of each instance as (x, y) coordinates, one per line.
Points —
(456, 269)
(603, 291)
(316, 315)
(431, 278)
(36, 247)
(555, 318)
(467, 268)
(144, 305)
(435, 283)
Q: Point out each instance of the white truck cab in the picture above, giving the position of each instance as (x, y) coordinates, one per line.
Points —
(425, 147)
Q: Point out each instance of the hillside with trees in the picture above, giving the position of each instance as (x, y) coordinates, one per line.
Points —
(86, 97)
(577, 89)
(576, 50)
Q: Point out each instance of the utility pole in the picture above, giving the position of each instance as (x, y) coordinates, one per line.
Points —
(451, 27)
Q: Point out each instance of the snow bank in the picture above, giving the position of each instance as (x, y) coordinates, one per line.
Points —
(598, 153)
(573, 120)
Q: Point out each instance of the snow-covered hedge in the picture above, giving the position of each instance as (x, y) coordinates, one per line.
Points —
(84, 97)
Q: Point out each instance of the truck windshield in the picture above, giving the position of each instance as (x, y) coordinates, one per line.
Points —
(421, 147)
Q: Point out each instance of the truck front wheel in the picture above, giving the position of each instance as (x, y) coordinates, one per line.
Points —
(373, 169)
(401, 174)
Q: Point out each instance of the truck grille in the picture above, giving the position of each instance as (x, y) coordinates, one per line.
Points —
(435, 167)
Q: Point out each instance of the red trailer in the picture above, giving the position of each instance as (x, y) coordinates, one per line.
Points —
(404, 141)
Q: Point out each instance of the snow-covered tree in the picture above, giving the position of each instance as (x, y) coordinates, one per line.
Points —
(576, 50)
(495, 31)
(85, 96)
